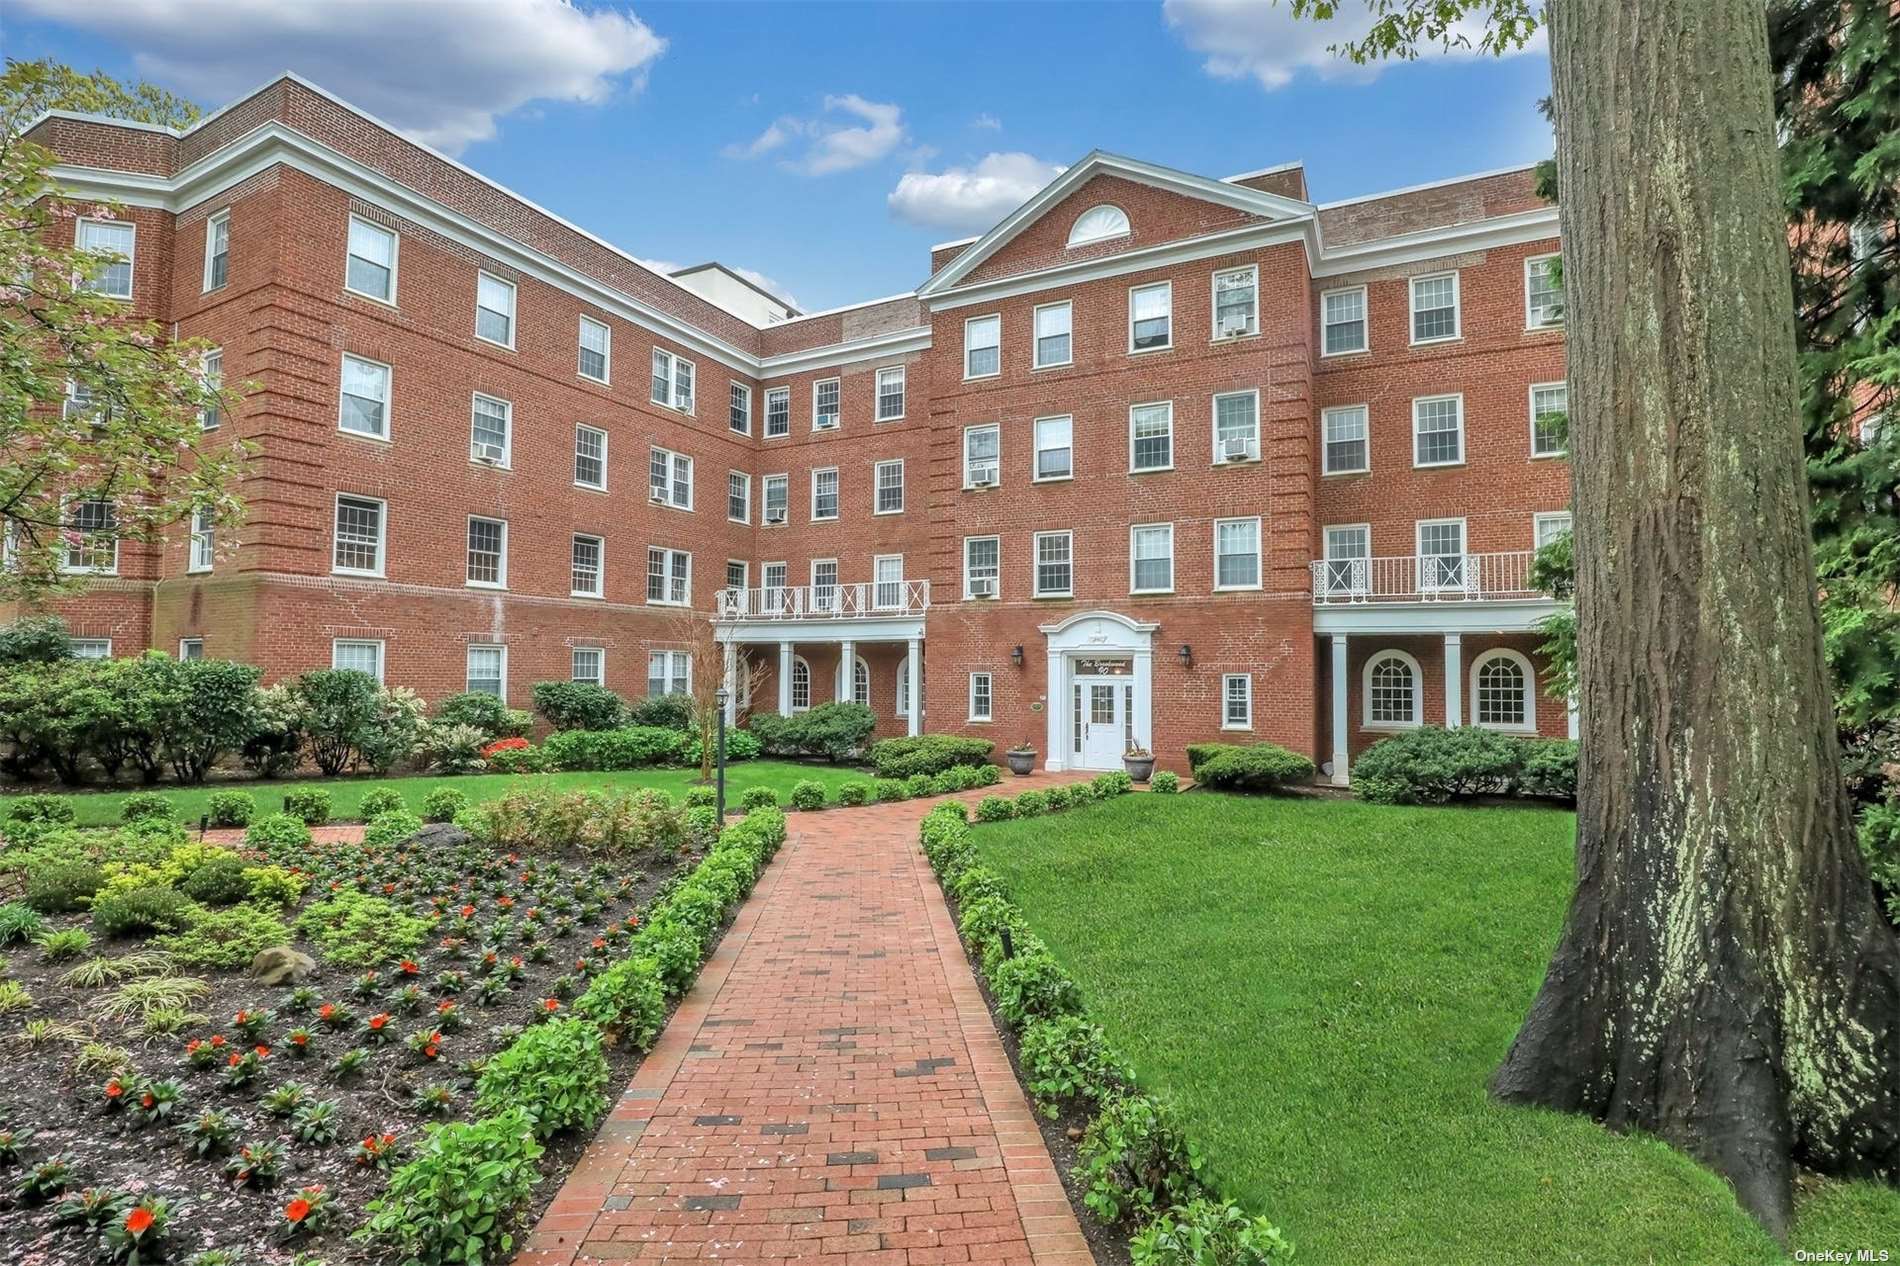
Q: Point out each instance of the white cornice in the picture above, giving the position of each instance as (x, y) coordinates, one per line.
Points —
(895, 343)
(1451, 239)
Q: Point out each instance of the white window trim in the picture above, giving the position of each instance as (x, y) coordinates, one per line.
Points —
(747, 517)
(65, 567)
(765, 419)
(903, 487)
(1365, 320)
(1164, 347)
(192, 566)
(1133, 528)
(1365, 693)
(91, 641)
(1531, 327)
(838, 487)
(745, 573)
(798, 662)
(1459, 396)
(877, 393)
(1259, 554)
(1411, 309)
(602, 432)
(970, 699)
(673, 363)
(389, 401)
(667, 578)
(997, 427)
(765, 500)
(850, 692)
(382, 537)
(875, 582)
(967, 541)
(1326, 552)
(580, 327)
(1213, 305)
(212, 222)
(1325, 468)
(508, 429)
(692, 478)
(1074, 240)
(1213, 428)
(838, 422)
(488, 646)
(1035, 565)
(183, 642)
(1150, 470)
(600, 657)
(1530, 690)
(1543, 516)
(1418, 546)
(1531, 398)
(514, 309)
(382, 652)
(837, 582)
(747, 388)
(967, 323)
(131, 259)
(600, 567)
(1225, 724)
(501, 567)
(1035, 457)
(395, 259)
(1035, 340)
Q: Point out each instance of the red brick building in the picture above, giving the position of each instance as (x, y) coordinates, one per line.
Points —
(1157, 459)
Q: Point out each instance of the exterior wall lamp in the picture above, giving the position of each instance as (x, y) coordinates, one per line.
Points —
(1187, 655)
(1016, 656)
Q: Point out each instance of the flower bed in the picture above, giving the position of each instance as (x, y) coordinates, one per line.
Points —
(152, 1072)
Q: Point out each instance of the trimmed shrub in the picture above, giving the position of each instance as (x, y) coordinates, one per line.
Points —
(1260, 767)
(232, 808)
(919, 785)
(1135, 1160)
(227, 939)
(758, 798)
(664, 712)
(808, 795)
(1549, 768)
(55, 810)
(451, 749)
(927, 754)
(855, 793)
(835, 731)
(309, 805)
(890, 790)
(146, 804)
(279, 829)
(632, 747)
(577, 705)
(390, 828)
(1165, 783)
(629, 998)
(995, 809)
(141, 911)
(55, 886)
(1431, 765)
(461, 1199)
(988, 775)
(378, 801)
(442, 804)
(702, 797)
(1033, 804)
(484, 712)
(554, 1070)
(1206, 1232)
(740, 745)
(1067, 1062)
(1033, 986)
(221, 881)
(275, 886)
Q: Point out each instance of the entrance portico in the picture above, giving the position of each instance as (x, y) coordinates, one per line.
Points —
(1100, 690)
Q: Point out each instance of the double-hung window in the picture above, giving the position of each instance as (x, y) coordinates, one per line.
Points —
(1236, 302)
(1348, 559)
(669, 673)
(1151, 436)
(983, 347)
(982, 456)
(364, 405)
(117, 238)
(1055, 564)
(596, 349)
(217, 250)
(739, 417)
(590, 457)
(487, 552)
(1055, 448)
(92, 538)
(1546, 528)
(670, 478)
(982, 566)
(887, 582)
(494, 310)
(1343, 321)
(777, 498)
(1348, 448)
(371, 268)
(778, 412)
(489, 430)
(890, 487)
(824, 494)
(1441, 554)
(1237, 427)
(488, 670)
(357, 539)
(890, 393)
(204, 540)
(672, 381)
(1435, 308)
(824, 584)
(1550, 419)
(738, 496)
(982, 698)
(1438, 430)
(212, 415)
(737, 571)
(1151, 558)
(362, 655)
(1236, 553)
(1054, 335)
(669, 576)
(1543, 292)
(587, 580)
(1236, 691)
(586, 664)
(825, 397)
(1151, 317)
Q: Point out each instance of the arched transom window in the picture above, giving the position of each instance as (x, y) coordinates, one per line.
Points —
(1393, 693)
(1503, 691)
(1097, 223)
(801, 683)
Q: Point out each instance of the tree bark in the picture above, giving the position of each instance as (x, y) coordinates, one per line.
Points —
(1724, 978)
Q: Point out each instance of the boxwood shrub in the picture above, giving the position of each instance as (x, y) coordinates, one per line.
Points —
(835, 731)
(758, 798)
(461, 1199)
(309, 805)
(1431, 765)
(1259, 767)
(632, 747)
(808, 795)
(927, 754)
(231, 808)
(577, 705)
(554, 1070)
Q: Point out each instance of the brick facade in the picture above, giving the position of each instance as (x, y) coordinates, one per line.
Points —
(285, 321)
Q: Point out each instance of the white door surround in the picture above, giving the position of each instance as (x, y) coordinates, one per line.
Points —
(1093, 649)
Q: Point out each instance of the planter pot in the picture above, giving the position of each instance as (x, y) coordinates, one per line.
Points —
(1021, 762)
(1140, 768)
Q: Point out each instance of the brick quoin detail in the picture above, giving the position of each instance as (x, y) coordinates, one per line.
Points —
(303, 163)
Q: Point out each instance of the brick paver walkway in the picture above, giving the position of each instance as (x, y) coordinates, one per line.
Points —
(832, 1090)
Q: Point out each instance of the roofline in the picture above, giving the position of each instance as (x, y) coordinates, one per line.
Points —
(1264, 171)
(962, 241)
(1430, 184)
(843, 307)
(733, 273)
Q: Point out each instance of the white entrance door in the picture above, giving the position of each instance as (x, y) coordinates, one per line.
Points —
(1100, 710)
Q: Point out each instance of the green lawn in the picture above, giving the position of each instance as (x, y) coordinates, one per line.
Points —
(1324, 987)
(100, 808)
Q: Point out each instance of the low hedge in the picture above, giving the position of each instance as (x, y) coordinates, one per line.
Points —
(927, 754)
(631, 747)
(1256, 767)
(578, 705)
(835, 731)
(1431, 765)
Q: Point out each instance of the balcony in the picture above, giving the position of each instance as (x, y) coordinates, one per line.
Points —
(1460, 578)
(791, 604)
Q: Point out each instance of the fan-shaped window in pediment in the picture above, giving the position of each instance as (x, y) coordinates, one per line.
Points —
(1097, 223)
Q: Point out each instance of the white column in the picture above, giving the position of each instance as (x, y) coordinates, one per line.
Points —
(732, 684)
(1454, 680)
(847, 663)
(1144, 698)
(1056, 706)
(914, 687)
(785, 679)
(1575, 723)
(1341, 745)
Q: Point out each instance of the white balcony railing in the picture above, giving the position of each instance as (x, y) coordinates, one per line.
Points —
(1437, 578)
(866, 600)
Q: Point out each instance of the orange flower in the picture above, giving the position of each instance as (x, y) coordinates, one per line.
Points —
(297, 1210)
(138, 1221)
(429, 1050)
(379, 1020)
(467, 911)
(147, 1099)
(217, 1039)
(233, 1061)
(114, 1089)
(551, 1005)
(263, 1052)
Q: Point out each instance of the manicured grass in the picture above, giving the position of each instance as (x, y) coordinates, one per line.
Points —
(101, 808)
(1324, 988)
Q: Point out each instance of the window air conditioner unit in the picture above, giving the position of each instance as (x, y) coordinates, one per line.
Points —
(1237, 448)
(775, 516)
(982, 587)
(983, 477)
(487, 454)
(1231, 325)
(656, 493)
(825, 423)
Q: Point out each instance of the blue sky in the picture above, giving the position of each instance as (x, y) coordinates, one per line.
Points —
(826, 146)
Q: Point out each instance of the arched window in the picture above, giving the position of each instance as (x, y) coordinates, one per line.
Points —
(860, 682)
(1503, 691)
(902, 694)
(1394, 697)
(1097, 223)
(801, 684)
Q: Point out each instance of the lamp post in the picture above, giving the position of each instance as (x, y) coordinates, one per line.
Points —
(720, 697)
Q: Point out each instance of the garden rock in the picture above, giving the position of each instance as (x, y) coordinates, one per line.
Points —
(439, 835)
(281, 964)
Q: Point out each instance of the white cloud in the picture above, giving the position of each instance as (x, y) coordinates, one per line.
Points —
(851, 132)
(987, 122)
(1248, 38)
(971, 199)
(438, 70)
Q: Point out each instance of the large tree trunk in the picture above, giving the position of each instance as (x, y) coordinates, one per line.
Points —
(1724, 979)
